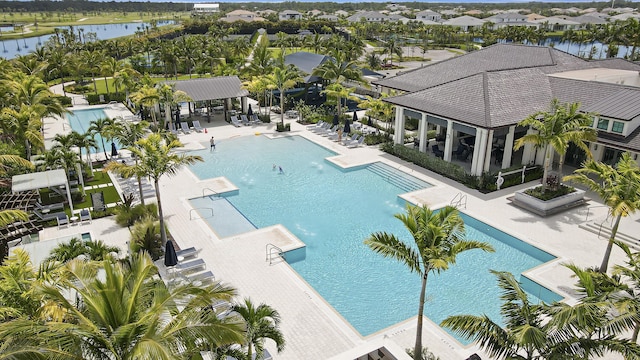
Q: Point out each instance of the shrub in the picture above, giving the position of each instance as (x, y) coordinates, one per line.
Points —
(145, 235)
(283, 128)
(548, 194)
(127, 215)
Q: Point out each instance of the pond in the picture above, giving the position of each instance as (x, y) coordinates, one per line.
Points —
(12, 48)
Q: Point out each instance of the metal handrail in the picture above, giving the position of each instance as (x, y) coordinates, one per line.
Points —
(586, 218)
(215, 193)
(191, 212)
(461, 200)
(269, 252)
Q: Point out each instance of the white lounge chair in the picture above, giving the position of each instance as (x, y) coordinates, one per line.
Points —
(316, 126)
(190, 265)
(255, 119)
(327, 130)
(356, 143)
(85, 216)
(202, 276)
(347, 140)
(321, 128)
(185, 127)
(197, 127)
(235, 121)
(185, 253)
(63, 220)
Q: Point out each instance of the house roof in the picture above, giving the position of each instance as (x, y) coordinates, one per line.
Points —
(631, 142)
(306, 62)
(367, 15)
(223, 87)
(427, 12)
(290, 12)
(554, 20)
(589, 19)
(464, 21)
(623, 105)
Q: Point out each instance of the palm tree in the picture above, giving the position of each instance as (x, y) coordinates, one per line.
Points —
(284, 78)
(93, 250)
(438, 238)
(24, 125)
(131, 314)
(338, 92)
(555, 130)
(619, 188)
(337, 71)
(171, 97)
(156, 159)
(101, 126)
(148, 96)
(261, 323)
(87, 142)
(128, 134)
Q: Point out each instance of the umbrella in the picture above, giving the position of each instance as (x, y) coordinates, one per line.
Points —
(170, 257)
(336, 121)
(114, 151)
(347, 128)
(249, 111)
(355, 116)
(369, 122)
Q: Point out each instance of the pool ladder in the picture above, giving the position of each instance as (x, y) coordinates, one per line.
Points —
(273, 251)
(459, 200)
(214, 193)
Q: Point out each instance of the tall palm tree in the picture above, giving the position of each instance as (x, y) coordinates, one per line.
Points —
(156, 159)
(127, 314)
(24, 126)
(555, 130)
(87, 142)
(337, 71)
(439, 236)
(619, 188)
(148, 96)
(338, 92)
(128, 134)
(101, 126)
(284, 78)
(261, 323)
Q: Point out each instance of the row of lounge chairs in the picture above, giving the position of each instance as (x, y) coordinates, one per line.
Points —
(332, 132)
(244, 120)
(192, 270)
(184, 126)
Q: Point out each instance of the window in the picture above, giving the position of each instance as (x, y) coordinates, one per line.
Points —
(618, 127)
(603, 124)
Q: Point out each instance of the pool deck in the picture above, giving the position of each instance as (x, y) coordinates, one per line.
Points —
(312, 329)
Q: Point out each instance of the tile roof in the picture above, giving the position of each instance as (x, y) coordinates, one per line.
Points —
(223, 87)
(306, 62)
(623, 105)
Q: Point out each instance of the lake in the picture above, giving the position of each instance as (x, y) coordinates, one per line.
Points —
(12, 48)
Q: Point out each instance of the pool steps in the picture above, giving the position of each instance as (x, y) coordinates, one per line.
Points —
(405, 182)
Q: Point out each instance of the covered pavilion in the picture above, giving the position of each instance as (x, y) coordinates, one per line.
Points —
(43, 179)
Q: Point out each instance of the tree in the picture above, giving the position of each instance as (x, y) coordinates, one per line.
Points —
(555, 130)
(439, 236)
(93, 250)
(156, 159)
(128, 134)
(284, 78)
(261, 323)
(337, 71)
(148, 96)
(338, 92)
(619, 188)
(127, 314)
(101, 126)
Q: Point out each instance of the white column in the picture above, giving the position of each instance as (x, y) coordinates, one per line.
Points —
(528, 151)
(398, 137)
(424, 125)
(69, 197)
(448, 141)
(487, 145)
(477, 163)
(508, 148)
(243, 102)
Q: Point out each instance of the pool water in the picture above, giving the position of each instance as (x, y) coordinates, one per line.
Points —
(333, 211)
(80, 122)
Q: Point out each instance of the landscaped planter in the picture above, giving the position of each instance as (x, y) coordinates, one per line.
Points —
(549, 207)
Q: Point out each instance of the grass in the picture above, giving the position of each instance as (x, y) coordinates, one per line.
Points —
(110, 196)
(99, 177)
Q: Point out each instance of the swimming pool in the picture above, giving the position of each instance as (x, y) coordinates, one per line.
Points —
(332, 211)
(80, 122)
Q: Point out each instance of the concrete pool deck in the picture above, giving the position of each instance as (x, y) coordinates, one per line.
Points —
(312, 329)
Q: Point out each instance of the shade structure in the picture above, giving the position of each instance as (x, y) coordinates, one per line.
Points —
(355, 116)
(347, 127)
(170, 257)
(249, 111)
(336, 121)
(114, 151)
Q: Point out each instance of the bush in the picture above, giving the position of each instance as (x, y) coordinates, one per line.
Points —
(547, 194)
(64, 100)
(127, 215)
(145, 235)
(283, 128)
(95, 98)
(265, 118)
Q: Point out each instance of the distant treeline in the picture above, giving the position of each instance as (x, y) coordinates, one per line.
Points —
(329, 7)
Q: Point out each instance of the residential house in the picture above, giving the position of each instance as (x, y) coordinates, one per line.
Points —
(289, 15)
(241, 15)
(327, 17)
(555, 23)
(428, 15)
(315, 13)
(588, 19)
(398, 18)
(478, 99)
(205, 9)
(368, 16)
(533, 16)
(341, 13)
(508, 19)
(465, 22)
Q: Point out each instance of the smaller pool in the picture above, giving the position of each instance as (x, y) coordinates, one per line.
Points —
(80, 122)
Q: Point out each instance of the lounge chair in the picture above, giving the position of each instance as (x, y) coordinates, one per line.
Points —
(332, 132)
(315, 126)
(190, 265)
(321, 128)
(346, 141)
(356, 143)
(185, 253)
(244, 120)
(50, 207)
(255, 119)
(235, 121)
(63, 220)
(185, 127)
(197, 127)
(47, 216)
(172, 129)
(85, 216)
(202, 276)
(326, 131)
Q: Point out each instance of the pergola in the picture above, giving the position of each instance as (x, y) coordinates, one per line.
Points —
(39, 180)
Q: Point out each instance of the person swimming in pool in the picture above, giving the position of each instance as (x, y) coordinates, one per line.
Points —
(280, 170)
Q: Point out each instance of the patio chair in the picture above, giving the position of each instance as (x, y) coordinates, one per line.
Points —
(437, 152)
(172, 129)
(346, 140)
(461, 152)
(63, 220)
(316, 126)
(244, 120)
(255, 119)
(85, 216)
(356, 143)
(197, 127)
(185, 127)
(190, 265)
(188, 252)
(202, 276)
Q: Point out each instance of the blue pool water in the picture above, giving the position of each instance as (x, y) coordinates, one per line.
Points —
(80, 122)
(333, 211)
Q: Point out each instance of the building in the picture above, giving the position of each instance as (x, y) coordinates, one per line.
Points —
(428, 15)
(509, 19)
(478, 99)
(465, 22)
(205, 9)
(289, 15)
(241, 15)
(368, 16)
